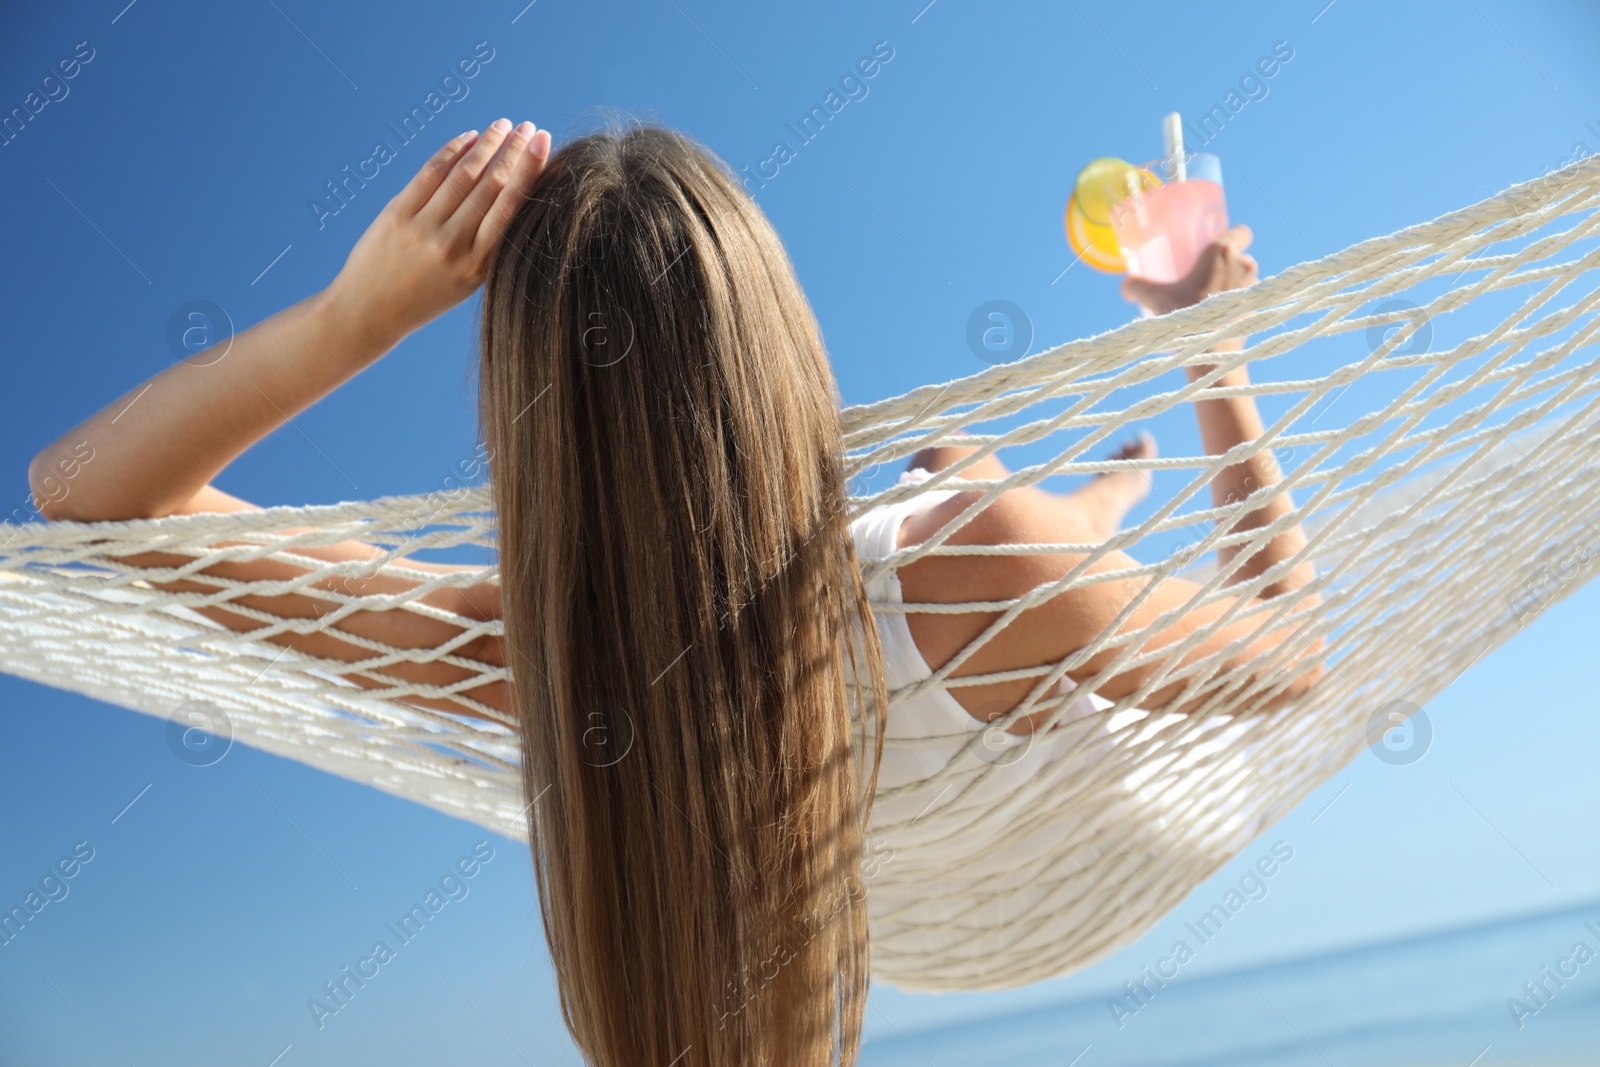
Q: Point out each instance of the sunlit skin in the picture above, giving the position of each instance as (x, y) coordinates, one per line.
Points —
(426, 253)
(1048, 633)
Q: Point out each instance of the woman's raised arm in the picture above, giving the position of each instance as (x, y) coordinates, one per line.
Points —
(157, 448)
(1051, 631)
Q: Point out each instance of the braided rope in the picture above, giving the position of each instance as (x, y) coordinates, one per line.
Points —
(1445, 505)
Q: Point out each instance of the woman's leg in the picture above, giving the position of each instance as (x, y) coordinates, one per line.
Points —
(1101, 503)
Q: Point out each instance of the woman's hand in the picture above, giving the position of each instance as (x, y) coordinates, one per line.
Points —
(156, 449)
(429, 247)
(1223, 265)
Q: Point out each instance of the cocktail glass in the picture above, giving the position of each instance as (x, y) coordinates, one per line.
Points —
(1170, 214)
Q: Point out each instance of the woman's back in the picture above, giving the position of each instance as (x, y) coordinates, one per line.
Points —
(962, 869)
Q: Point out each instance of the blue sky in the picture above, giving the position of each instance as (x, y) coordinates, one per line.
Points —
(181, 164)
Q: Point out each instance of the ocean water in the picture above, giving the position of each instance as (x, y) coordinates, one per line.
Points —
(1442, 999)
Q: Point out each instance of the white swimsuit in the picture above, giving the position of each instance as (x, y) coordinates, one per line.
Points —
(953, 862)
(934, 714)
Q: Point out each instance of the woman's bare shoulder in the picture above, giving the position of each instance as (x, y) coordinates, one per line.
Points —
(1040, 635)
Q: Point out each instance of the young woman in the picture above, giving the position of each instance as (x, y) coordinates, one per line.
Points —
(673, 540)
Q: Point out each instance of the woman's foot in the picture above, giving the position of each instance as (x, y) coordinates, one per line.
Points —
(1110, 496)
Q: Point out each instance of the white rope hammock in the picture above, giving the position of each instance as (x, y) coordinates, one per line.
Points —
(1444, 488)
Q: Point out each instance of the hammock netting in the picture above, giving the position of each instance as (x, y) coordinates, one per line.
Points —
(1430, 397)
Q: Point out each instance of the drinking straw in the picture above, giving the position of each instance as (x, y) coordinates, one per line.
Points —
(1172, 133)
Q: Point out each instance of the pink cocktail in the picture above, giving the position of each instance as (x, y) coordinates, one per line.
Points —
(1162, 230)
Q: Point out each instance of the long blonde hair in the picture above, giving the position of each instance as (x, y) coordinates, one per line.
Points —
(696, 669)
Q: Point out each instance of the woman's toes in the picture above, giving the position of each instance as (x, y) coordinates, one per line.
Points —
(1133, 485)
(1141, 447)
